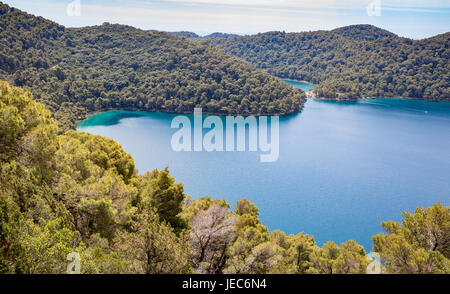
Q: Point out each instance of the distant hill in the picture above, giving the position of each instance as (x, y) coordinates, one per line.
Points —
(220, 35)
(192, 35)
(363, 32)
(185, 34)
(351, 62)
(74, 71)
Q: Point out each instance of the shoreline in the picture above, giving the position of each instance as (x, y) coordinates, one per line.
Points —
(311, 94)
(91, 113)
(286, 79)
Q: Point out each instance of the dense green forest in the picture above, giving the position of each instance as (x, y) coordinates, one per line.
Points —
(74, 71)
(351, 62)
(78, 192)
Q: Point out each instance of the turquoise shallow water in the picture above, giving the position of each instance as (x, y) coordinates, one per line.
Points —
(343, 166)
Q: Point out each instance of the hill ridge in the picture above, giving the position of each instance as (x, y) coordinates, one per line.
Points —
(74, 71)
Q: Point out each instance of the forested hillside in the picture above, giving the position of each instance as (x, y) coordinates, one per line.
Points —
(352, 62)
(74, 71)
(79, 192)
(185, 34)
(219, 35)
(363, 32)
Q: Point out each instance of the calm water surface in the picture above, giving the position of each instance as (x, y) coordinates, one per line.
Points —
(343, 167)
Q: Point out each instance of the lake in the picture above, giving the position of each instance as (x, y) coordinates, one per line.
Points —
(343, 167)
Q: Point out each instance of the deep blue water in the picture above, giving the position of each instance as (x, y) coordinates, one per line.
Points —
(343, 166)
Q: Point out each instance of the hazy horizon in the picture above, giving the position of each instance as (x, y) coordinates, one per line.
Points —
(414, 19)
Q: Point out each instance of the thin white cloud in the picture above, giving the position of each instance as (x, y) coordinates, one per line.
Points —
(303, 4)
(416, 10)
(322, 4)
(243, 17)
(202, 21)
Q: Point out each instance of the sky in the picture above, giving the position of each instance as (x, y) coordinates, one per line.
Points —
(408, 18)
